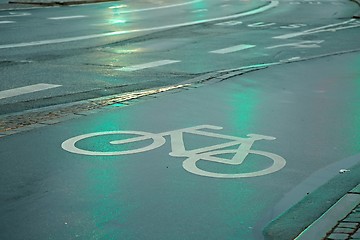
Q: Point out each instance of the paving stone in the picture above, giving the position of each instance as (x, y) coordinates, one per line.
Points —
(338, 236)
(348, 225)
(352, 219)
(356, 234)
(344, 230)
(356, 189)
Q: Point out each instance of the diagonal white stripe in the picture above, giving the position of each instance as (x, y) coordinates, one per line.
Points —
(147, 65)
(4, 22)
(28, 89)
(15, 15)
(233, 49)
(66, 17)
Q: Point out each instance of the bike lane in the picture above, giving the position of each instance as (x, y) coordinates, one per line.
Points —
(50, 193)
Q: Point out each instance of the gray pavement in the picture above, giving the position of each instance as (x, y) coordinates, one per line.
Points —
(339, 221)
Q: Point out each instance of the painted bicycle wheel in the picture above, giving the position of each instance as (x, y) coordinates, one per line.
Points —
(190, 164)
(157, 141)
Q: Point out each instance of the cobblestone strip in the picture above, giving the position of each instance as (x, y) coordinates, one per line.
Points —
(349, 227)
(26, 121)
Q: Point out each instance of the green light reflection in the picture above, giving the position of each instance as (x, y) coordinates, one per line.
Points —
(243, 104)
(106, 183)
(199, 10)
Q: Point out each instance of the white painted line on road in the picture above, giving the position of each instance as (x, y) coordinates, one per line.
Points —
(15, 15)
(147, 65)
(154, 8)
(4, 22)
(229, 23)
(233, 49)
(302, 44)
(327, 28)
(67, 17)
(111, 34)
(200, 10)
(261, 24)
(28, 89)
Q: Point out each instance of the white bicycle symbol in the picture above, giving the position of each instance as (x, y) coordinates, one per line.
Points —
(209, 153)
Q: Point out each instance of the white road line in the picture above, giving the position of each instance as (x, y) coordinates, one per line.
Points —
(66, 17)
(302, 44)
(326, 28)
(4, 22)
(147, 65)
(111, 34)
(155, 8)
(200, 10)
(233, 49)
(28, 89)
(15, 15)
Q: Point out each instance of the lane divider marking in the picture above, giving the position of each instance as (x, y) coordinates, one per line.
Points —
(147, 65)
(15, 15)
(67, 17)
(233, 49)
(4, 22)
(27, 89)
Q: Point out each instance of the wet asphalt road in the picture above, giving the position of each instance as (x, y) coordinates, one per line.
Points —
(80, 61)
(307, 98)
(309, 107)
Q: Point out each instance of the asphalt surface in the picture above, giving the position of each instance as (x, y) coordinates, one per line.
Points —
(150, 194)
(307, 103)
(97, 67)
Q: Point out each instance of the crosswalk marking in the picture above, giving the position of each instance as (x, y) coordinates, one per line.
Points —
(67, 17)
(233, 49)
(147, 65)
(27, 89)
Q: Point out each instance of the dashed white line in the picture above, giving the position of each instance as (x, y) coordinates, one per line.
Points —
(233, 49)
(67, 17)
(261, 24)
(147, 65)
(302, 44)
(229, 23)
(15, 15)
(27, 89)
(200, 10)
(5, 22)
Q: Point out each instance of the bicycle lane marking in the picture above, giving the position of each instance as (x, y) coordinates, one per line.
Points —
(193, 156)
(116, 33)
